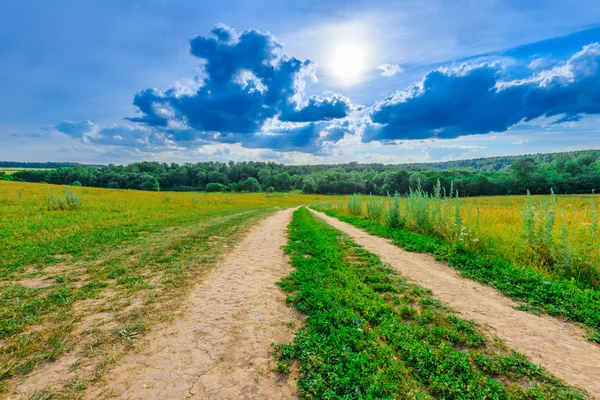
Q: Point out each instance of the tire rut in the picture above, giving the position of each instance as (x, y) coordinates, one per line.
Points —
(220, 347)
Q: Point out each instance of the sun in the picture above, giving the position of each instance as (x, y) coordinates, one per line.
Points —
(348, 62)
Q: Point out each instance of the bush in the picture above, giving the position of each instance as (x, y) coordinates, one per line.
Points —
(69, 201)
(216, 187)
(113, 185)
(355, 204)
(251, 185)
(375, 208)
(151, 185)
(76, 183)
(270, 189)
(392, 214)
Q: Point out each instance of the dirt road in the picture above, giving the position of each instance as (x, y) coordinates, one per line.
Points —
(557, 345)
(220, 348)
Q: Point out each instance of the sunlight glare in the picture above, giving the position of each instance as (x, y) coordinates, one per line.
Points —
(348, 62)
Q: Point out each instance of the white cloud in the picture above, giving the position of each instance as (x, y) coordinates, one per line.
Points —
(388, 70)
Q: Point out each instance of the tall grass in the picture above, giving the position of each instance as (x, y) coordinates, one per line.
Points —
(553, 234)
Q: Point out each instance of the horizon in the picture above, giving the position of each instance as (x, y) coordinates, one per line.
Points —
(324, 164)
(298, 84)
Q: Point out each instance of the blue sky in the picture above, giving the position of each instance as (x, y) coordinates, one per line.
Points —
(297, 82)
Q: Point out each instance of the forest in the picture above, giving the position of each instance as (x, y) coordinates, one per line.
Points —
(564, 173)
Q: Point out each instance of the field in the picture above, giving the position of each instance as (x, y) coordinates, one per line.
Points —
(10, 171)
(372, 334)
(86, 274)
(109, 253)
(554, 234)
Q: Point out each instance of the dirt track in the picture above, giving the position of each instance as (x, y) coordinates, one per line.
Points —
(220, 348)
(557, 345)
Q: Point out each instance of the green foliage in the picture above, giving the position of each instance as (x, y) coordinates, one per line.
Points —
(375, 207)
(538, 291)
(355, 203)
(69, 200)
(392, 213)
(5, 177)
(76, 183)
(270, 189)
(573, 172)
(370, 334)
(151, 185)
(216, 187)
(113, 185)
(251, 185)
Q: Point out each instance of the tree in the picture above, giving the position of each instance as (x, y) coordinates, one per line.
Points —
(309, 186)
(151, 185)
(251, 185)
(113, 185)
(524, 167)
(270, 189)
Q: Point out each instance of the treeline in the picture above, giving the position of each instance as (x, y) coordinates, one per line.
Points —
(570, 173)
(17, 164)
(503, 163)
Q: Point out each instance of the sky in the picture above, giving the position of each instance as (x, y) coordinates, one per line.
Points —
(302, 82)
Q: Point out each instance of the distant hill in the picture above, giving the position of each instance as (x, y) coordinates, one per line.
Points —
(502, 163)
(48, 165)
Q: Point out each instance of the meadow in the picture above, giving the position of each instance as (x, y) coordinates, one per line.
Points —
(89, 270)
(540, 250)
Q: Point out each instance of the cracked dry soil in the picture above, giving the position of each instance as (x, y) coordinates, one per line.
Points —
(220, 347)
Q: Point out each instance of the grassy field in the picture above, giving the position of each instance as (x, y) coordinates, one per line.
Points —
(558, 235)
(88, 270)
(542, 251)
(371, 334)
(10, 171)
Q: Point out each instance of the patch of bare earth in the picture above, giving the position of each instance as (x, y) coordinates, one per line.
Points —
(219, 348)
(558, 346)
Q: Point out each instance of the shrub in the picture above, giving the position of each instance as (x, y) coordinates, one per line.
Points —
(69, 201)
(113, 185)
(270, 189)
(251, 185)
(216, 187)
(392, 214)
(375, 208)
(355, 204)
(76, 183)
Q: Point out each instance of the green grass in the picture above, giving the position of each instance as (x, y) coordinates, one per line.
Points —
(70, 256)
(369, 334)
(538, 292)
